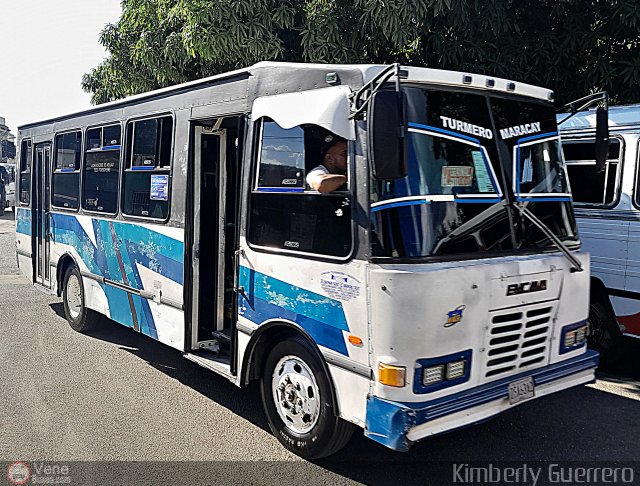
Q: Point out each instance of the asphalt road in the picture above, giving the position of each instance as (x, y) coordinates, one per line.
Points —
(118, 396)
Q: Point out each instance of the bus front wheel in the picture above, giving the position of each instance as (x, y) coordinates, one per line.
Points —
(604, 333)
(298, 400)
(75, 309)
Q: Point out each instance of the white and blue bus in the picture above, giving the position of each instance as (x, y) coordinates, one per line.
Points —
(441, 285)
(607, 207)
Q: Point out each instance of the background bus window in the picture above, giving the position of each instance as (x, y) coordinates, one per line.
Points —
(147, 168)
(102, 167)
(588, 185)
(285, 214)
(66, 170)
(25, 172)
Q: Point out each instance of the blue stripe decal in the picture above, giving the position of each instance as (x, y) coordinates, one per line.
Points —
(280, 189)
(399, 204)
(143, 167)
(446, 132)
(23, 221)
(536, 137)
(138, 246)
(543, 199)
(475, 200)
(269, 298)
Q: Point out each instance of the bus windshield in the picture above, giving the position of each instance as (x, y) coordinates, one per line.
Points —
(470, 157)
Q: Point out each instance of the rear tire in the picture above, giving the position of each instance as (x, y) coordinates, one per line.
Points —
(298, 399)
(75, 310)
(604, 332)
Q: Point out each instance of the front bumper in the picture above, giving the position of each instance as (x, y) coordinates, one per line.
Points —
(397, 425)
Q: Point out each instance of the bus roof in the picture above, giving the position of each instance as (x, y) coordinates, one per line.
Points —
(301, 70)
(620, 117)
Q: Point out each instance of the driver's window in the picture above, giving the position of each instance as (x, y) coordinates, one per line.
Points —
(286, 213)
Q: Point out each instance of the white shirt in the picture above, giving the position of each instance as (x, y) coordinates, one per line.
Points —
(315, 175)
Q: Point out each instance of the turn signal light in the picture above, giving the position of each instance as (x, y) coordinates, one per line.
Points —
(392, 375)
(355, 340)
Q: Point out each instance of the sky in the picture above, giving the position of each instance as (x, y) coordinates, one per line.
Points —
(45, 48)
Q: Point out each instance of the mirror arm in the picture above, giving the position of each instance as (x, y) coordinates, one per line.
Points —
(582, 104)
(360, 102)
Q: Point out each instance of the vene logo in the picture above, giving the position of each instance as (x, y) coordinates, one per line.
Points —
(526, 287)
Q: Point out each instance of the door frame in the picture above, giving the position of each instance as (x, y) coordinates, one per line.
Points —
(41, 187)
(200, 131)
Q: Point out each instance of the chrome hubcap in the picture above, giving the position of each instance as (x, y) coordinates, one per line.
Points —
(296, 394)
(74, 296)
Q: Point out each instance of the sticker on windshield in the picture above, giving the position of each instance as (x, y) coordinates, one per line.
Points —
(482, 172)
(520, 130)
(457, 175)
(527, 171)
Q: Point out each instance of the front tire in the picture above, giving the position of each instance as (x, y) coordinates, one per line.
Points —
(604, 333)
(75, 309)
(298, 399)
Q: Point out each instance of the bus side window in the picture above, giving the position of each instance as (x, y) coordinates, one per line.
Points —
(286, 216)
(66, 170)
(101, 171)
(26, 152)
(147, 168)
(588, 185)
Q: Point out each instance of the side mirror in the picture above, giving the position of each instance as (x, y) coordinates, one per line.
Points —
(602, 138)
(386, 147)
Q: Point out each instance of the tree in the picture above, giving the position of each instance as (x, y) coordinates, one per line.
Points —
(571, 46)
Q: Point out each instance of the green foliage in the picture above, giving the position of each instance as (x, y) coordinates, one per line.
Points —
(572, 46)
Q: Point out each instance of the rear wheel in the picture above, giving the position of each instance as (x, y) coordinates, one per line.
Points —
(298, 400)
(604, 333)
(75, 310)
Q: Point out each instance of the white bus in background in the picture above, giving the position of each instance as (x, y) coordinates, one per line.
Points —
(442, 285)
(607, 207)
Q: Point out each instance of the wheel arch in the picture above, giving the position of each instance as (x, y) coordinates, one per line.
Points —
(258, 347)
(65, 262)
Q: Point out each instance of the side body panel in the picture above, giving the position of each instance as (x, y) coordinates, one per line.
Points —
(112, 256)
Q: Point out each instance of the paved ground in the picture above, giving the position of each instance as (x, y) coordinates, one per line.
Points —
(118, 396)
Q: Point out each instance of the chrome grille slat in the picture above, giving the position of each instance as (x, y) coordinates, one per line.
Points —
(518, 339)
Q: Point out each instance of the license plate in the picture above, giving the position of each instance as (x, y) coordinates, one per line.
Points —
(521, 390)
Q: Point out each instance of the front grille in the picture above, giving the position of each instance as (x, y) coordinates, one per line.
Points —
(518, 339)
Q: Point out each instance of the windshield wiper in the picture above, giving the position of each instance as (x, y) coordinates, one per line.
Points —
(576, 266)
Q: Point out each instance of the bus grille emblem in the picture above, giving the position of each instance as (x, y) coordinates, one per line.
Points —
(526, 287)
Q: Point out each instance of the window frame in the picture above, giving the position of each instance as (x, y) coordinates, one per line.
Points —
(636, 176)
(20, 172)
(253, 178)
(83, 165)
(618, 182)
(125, 163)
(79, 171)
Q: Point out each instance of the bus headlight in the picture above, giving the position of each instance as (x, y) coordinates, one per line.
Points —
(573, 337)
(432, 375)
(435, 373)
(455, 369)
